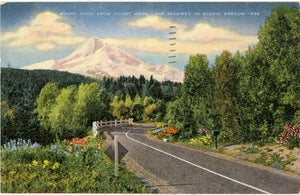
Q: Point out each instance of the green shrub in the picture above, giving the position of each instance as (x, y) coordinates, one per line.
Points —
(275, 160)
(223, 137)
(206, 140)
(80, 167)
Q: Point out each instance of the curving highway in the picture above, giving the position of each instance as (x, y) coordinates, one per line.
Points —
(192, 171)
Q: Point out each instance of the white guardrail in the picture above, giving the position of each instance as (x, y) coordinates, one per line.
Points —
(97, 125)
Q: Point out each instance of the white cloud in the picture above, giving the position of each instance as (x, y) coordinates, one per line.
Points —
(155, 22)
(205, 33)
(147, 45)
(203, 38)
(159, 46)
(45, 46)
(46, 31)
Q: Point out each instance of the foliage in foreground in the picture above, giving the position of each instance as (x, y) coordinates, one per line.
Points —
(78, 166)
(290, 136)
(21, 88)
(70, 111)
(250, 97)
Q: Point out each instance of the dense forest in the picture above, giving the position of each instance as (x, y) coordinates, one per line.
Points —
(19, 90)
(22, 101)
(249, 97)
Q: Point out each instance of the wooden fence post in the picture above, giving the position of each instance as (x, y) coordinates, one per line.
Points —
(99, 124)
(95, 128)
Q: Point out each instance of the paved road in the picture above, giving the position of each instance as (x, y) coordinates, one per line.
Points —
(191, 171)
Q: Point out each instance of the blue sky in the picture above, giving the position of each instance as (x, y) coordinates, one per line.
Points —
(35, 32)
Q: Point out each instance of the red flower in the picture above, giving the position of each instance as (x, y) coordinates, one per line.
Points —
(71, 148)
(81, 142)
(289, 133)
(99, 145)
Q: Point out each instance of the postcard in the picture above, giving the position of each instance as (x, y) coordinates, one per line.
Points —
(150, 97)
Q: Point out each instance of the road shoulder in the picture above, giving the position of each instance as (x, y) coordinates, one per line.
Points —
(153, 181)
(236, 160)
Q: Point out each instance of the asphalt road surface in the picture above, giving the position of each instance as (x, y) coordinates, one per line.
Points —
(191, 171)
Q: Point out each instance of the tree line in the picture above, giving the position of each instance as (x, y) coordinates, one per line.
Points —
(42, 105)
(249, 97)
(19, 90)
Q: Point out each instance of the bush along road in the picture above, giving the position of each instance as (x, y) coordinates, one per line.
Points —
(192, 171)
(70, 166)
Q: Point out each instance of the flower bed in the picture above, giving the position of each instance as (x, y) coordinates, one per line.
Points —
(158, 130)
(75, 166)
(165, 134)
(290, 136)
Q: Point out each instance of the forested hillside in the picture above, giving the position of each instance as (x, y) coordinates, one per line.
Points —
(249, 97)
(21, 88)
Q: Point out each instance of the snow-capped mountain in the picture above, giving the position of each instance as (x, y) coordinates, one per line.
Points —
(97, 59)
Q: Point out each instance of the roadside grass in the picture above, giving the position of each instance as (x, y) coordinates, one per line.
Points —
(157, 124)
(63, 167)
(197, 146)
(262, 154)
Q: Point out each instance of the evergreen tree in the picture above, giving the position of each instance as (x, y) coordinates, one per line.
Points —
(8, 127)
(225, 91)
(137, 108)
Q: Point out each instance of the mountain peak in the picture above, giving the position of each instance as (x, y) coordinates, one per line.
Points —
(89, 47)
(96, 58)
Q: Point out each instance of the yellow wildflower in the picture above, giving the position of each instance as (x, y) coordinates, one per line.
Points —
(46, 162)
(35, 163)
(55, 166)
